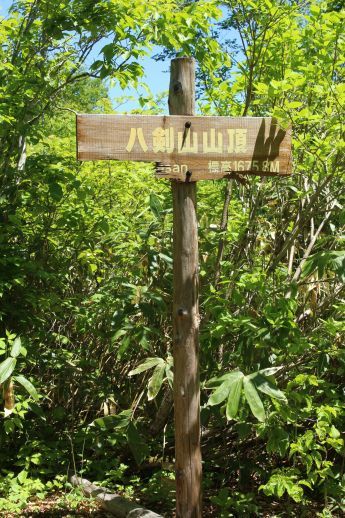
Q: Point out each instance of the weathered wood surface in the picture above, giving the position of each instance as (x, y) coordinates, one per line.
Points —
(207, 147)
(111, 502)
(188, 468)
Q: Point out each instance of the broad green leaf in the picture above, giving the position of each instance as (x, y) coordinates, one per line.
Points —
(156, 381)
(6, 368)
(322, 262)
(230, 376)
(234, 398)
(166, 258)
(315, 10)
(36, 458)
(294, 104)
(222, 392)
(137, 444)
(149, 363)
(265, 386)
(334, 432)
(108, 51)
(169, 375)
(118, 334)
(17, 344)
(305, 483)
(22, 476)
(92, 267)
(110, 422)
(296, 492)
(270, 371)
(253, 399)
(27, 385)
(278, 441)
(281, 481)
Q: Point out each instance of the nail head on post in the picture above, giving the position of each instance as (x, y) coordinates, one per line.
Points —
(177, 87)
(188, 176)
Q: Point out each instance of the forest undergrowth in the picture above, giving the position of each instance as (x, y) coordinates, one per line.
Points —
(86, 263)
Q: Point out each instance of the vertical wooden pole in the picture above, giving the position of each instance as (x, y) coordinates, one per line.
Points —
(186, 312)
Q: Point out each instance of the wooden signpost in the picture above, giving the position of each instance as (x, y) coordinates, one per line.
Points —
(187, 148)
(208, 147)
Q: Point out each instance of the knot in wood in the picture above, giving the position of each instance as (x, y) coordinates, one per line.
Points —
(182, 312)
(177, 339)
(179, 473)
(178, 87)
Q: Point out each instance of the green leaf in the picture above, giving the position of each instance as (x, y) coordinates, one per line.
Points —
(222, 392)
(125, 343)
(281, 481)
(137, 444)
(278, 441)
(166, 258)
(270, 371)
(294, 104)
(253, 399)
(169, 375)
(22, 476)
(156, 206)
(6, 369)
(108, 51)
(92, 267)
(230, 376)
(315, 10)
(306, 483)
(334, 432)
(28, 386)
(15, 351)
(265, 386)
(118, 334)
(149, 363)
(110, 422)
(55, 191)
(322, 262)
(156, 381)
(234, 398)
(96, 64)
(296, 492)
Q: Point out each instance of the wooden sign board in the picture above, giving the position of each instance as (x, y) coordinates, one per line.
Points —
(188, 147)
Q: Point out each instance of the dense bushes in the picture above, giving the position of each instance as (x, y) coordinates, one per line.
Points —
(86, 283)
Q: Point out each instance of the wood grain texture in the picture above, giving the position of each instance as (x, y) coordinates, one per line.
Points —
(208, 147)
(186, 316)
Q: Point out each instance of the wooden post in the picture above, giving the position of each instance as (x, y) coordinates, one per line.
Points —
(186, 312)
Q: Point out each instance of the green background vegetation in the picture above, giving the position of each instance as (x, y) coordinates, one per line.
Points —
(86, 268)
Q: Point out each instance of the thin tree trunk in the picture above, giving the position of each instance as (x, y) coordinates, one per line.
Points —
(163, 413)
(223, 227)
(310, 247)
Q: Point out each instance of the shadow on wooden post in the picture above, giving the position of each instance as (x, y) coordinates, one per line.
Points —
(186, 312)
